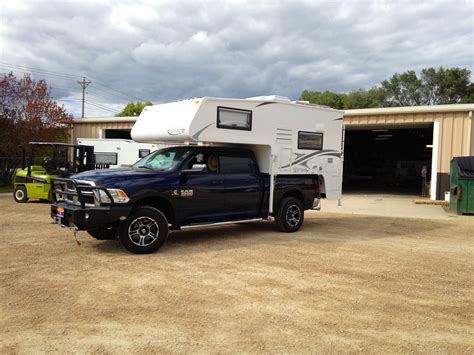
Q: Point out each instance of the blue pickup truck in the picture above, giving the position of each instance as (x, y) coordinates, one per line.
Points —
(177, 188)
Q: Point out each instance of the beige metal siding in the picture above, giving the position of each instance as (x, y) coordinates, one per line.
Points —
(390, 119)
(93, 130)
(454, 138)
(471, 143)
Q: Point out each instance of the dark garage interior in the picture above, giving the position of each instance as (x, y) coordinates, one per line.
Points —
(117, 134)
(387, 160)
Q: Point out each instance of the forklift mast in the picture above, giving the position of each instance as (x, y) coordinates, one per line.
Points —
(83, 157)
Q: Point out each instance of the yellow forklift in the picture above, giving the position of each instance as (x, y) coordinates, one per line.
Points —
(34, 181)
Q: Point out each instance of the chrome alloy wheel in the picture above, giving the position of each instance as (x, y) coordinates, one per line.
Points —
(293, 215)
(143, 231)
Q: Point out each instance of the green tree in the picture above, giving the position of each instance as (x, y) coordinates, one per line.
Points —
(361, 98)
(133, 109)
(444, 86)
(403, 89)
(326, 98)
(432, 87)
(469, 98)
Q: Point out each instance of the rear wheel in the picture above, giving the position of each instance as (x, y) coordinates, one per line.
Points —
(289, 215)
(103, 233)
(144, 231)
(19, 195)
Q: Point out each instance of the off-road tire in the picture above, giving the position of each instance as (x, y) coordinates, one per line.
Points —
(289, 215)
(19, 195)
(103, 233)
(144, 231)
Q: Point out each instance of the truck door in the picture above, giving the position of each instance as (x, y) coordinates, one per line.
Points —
(243, 190)
(202, 195)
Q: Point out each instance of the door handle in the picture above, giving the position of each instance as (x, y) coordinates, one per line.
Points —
(217, 182)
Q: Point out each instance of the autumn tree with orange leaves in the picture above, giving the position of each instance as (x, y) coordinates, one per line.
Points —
(27, 113)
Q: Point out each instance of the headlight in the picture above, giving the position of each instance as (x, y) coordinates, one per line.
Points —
(119, 196)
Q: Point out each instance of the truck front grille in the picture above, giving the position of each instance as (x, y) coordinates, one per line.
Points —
(65, 190)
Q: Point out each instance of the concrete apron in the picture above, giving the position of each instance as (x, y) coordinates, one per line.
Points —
(385, 205)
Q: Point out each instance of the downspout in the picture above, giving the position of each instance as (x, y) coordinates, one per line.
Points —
(469, 132)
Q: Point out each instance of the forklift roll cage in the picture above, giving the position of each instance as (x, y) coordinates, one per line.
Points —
(83, 156)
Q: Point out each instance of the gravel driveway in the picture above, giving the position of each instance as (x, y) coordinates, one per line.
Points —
(344, 283)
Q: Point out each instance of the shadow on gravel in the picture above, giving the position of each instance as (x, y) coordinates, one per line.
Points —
(110, 246)
(324, 229)
(337, 229)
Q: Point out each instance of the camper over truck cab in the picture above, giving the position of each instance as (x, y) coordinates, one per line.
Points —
(238, 160)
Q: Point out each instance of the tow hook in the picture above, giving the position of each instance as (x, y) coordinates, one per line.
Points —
(75, 230)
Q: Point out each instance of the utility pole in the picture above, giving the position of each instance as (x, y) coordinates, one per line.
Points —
(83, 84)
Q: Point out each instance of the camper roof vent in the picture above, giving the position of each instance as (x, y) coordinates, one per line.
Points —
(309, 103)
(301, 102)
(271, 98)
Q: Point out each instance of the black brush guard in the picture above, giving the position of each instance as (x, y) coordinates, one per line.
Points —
(80, 209)
(60, 188)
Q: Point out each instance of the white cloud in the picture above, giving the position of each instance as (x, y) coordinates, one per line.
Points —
(169, 50)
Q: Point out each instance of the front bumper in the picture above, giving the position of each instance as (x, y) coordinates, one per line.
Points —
(74, 206)
(89, 217)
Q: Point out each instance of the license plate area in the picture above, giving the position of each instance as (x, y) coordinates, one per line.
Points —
(60, 212)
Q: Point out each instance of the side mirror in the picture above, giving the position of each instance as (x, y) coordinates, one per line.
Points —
(196, 169)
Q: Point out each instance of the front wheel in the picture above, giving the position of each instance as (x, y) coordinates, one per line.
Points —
(19, 195)
(289, 215)
(144, 231)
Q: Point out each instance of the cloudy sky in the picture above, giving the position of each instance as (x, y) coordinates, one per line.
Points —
(169, 50)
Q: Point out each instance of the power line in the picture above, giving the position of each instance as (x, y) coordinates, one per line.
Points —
(102, 106)
(68, 78)
(30, 70)
(127, 96)
(99, 103)
(109, 94)
(92, 103)
(73, 77)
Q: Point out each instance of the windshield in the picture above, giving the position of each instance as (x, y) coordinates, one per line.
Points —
(163, 160)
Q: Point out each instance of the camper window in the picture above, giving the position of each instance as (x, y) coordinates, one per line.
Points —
(231, 118)
(310, 140)
(106, 158)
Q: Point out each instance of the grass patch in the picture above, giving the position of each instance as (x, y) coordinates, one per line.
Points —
(6, 189)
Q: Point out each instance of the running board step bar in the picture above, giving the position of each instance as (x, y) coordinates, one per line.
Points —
(222, 223)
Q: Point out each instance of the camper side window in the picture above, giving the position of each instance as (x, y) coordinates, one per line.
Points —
(106, 158)
(310, 140)
(231, 118)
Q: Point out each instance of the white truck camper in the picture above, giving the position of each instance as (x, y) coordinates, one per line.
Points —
(288, 138)
(118, 153)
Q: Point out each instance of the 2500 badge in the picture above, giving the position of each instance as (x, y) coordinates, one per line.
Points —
(183, 193)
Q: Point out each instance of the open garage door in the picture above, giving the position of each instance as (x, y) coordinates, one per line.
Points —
(388, 159)
(117, 134)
